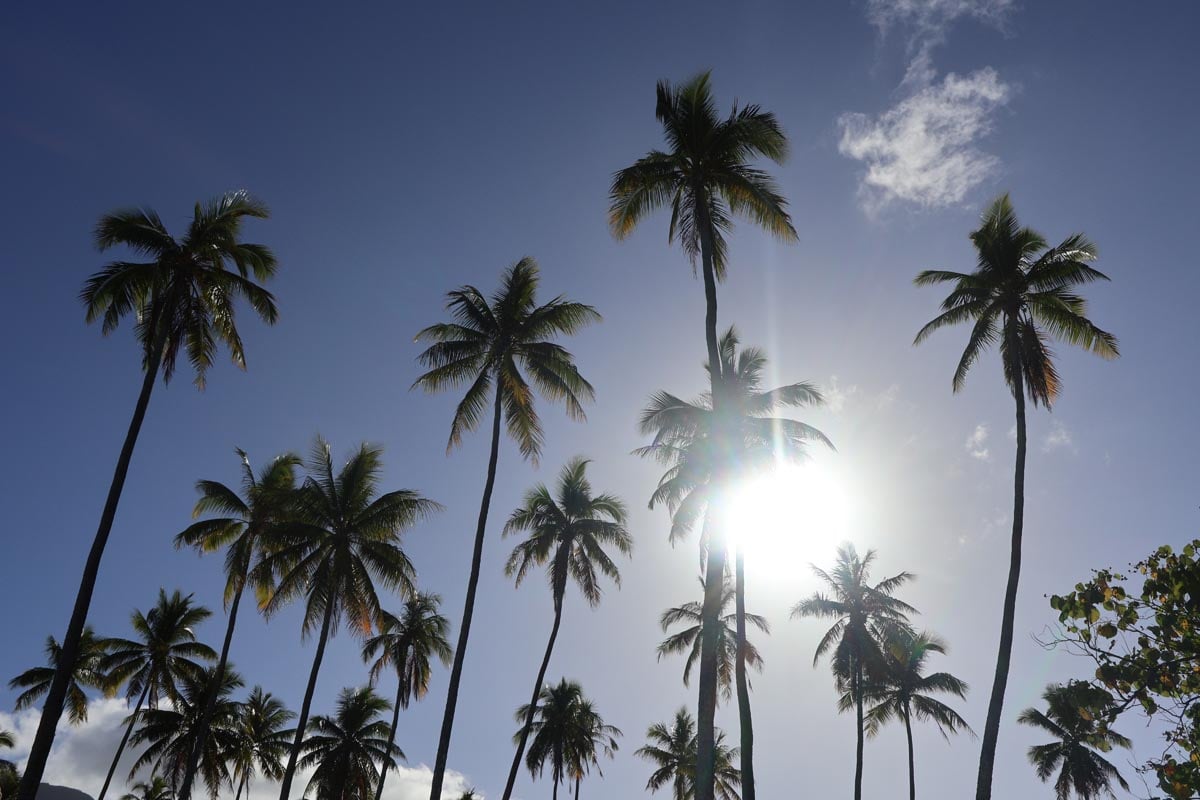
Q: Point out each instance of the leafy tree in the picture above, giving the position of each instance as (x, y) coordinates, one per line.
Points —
(261, 740)
(156, 788)
(568, 734)
(183, 297)
(1020, 295)
(1074, 718)
(568, 533)
(239, 530)
(595, 738)
(407, 644)
(489, 343)
(344, 749)
(87, 674)
(672, 751)
(152, 667)
(862, 613)
(344, 538)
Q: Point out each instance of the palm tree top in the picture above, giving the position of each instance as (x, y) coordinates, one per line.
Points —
(1074, 717)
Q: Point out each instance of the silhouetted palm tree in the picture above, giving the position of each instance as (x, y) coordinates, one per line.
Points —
(86, 674)
(239, 530)
(568, 533)
(261, 740)
(567, 733)
(488, 345)
(672, 750)
(344, 750)
(341, 541)
(183, 298)
(406, 645)
(595, 738)
(7, 739)
(1073, 718)
(156, 788)
(164, 655)
(862, 614)
(1020, 295)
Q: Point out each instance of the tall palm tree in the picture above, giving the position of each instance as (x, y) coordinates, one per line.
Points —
(407, 645)
(567, 733)
(342, 541)
(153, 666)
(901, 690)
(238, 530)
(489, 343)
(672, 751)
(261, 741)
(156, 788)
(87, 674)
(862, 613)
(595, 738)
(1072, 717)
(346, 748)
(706, 179)
(568, 533)
(183, 297)
(1020, 294)
(9, 777)
(688, 640)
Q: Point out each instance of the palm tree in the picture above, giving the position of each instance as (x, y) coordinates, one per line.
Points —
(672, 751)
(171, 734)
(344, 749)
(87, 674)
(183, 298)
(1073, 717)
(688, 640)
(156, 788)
(567, 733)
(1020, 294)
(344, 539)
(239, 531)
(9, 777)
(706, 179)
(153, 666)
(407, 644)
(568, 533)
(488, 344)
(7, 739)
(862, 613)
(901, 690)
(261, 740)
(595, 738)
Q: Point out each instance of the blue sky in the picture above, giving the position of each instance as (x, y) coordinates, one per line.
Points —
(407, 150)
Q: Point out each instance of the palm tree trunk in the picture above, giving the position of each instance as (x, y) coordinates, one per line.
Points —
(301, 723)
(912, 770)
(858, 701)
(124, 741)
(460, 652)
(554, 794)
(69, 654)
(238, 794)
(991, 729)
(577, 781)
(743, 686)
(537, 688)
(704, 225)
(391, 736)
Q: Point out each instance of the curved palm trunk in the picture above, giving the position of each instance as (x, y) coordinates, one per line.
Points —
(238, 794)
(460, 652)
(743, 686)
(302, 722)
(537, 688)
(124, 741)
(391, 737)
(69, 654)
(991, 729)
(858, 702)
(912, 770)
(554, 794)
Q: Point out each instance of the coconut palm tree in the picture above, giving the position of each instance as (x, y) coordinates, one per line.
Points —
(706, 179)
(862, 613)
(264, 502)
(568, 533)
(156, 788)
(342, 541)
(1074, 718)
(489, 343)
(153, 666)
(595, 738)
(10, 778)
(7, 739)
(345, 749)
(567, 733)
(1019, 296)
(171, 734)
(261, 740)
(406, 645)
(183, 296)
(672, 751)
(898, 688)
(688, 640)
(87, 674)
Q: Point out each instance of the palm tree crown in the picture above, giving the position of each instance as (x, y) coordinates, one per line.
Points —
(87, 674)
(672, 751)
(261, 740)
(344, 750)
(568, 733)
(1074, 717)
(156, 788)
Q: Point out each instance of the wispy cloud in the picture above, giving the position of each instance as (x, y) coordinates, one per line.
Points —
(976, 443)
(836, 395)
(930, 19)
(1059, 438)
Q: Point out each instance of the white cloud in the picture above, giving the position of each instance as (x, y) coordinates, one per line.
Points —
(837, 395)
(1059, 438)
(887, 398)
(976, 443)
(931, 18)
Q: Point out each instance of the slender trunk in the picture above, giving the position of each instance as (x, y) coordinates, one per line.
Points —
(743, 686)
(704, 225)
(391, 736)
(537, 688)
(991, 729)
(460, 652)
(554, 795)
(238, 794)
(912, 770)
(577, 787)
(301, 723)
(858, 702)
(69, 654)
(124, 741)
(210, 700)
